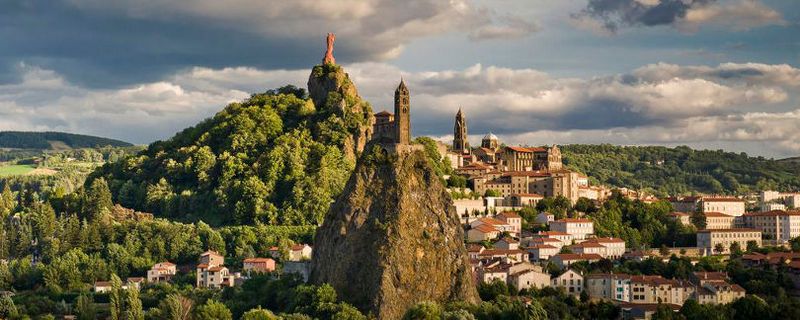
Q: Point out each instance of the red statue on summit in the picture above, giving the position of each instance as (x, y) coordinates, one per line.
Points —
(329, 53)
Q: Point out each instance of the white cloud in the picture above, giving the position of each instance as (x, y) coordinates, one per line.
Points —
(747, 106)
(737, 15)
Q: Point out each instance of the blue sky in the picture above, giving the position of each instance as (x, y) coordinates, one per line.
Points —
(704, 73)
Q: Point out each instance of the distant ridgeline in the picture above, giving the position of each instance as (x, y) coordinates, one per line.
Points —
(54, 140)
(279, 157)
(681, 170)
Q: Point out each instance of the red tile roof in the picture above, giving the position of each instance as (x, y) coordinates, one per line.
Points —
(578, 256)
(773, 213)
(605, 240)
(722, 199)
(257, 260)
(553, 233)
(716, 215)
(588, 244)
(485, 228)
(542, 246)
(728, 230)
(492, 221)
(519, 149)
(508, 214)
(574, 220)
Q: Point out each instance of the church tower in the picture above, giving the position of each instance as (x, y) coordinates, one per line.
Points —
(460, 143)
(402, 119)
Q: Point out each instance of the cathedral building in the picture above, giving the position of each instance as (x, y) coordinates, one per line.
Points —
(460, 143)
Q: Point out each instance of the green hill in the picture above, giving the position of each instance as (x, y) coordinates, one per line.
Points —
(54, 140)
(681, 170)
(279, 157)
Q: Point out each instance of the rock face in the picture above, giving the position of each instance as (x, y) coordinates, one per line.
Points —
(332, 90)
(393, 238)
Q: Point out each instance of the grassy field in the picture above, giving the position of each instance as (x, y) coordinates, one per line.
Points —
(14, 170)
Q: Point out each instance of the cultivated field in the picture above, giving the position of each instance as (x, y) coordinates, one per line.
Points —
(15, 170)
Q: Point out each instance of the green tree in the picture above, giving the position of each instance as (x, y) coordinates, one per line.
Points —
(719, 248)
(259, 314)
(736, 249)
(426, 310)
(7, 201)
(7, 308)
(213, 310)
(84, 308)
(98, 199)
(134, 304)
(177, 307)
(491, 193)
(115, 304)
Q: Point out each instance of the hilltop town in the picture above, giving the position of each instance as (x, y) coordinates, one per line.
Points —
(300, 204)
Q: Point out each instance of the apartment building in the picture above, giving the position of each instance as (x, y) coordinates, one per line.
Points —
(778, 225)
(707, 240)
(576, 227)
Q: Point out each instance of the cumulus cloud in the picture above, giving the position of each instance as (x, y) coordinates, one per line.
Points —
(748, 106)
(608, 16)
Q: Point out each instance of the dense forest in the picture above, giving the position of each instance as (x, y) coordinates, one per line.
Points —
(46, 140)
(681, 170)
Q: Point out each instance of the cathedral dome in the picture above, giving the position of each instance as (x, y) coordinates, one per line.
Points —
(490, 136)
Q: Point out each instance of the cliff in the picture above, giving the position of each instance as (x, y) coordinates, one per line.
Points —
(393, 238)
(334, 94)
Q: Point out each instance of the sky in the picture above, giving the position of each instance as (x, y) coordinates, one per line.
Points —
(713, 74)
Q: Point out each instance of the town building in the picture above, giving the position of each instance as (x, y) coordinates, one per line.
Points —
(211, 272)
(614, 287)
(726, 205)
(258, 265)
(707, 240)
(512, 219)
(507, 244)
(578, 228)
(718, 220)
(162, 272)
(610, 248)
(777, 226)
(545, 218)
(539, 252)
(482, 232)
(682, 217)
(570, 280)
(788, 199)
(300, 252)
(564, 260)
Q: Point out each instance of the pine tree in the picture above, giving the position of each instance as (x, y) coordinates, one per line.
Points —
(98, 200)
(134, 311)
(115, 301)
(85, 308)
(6, 201)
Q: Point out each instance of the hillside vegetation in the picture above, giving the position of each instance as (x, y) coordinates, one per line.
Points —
(54, 140)
(276, 158)
(681, 170)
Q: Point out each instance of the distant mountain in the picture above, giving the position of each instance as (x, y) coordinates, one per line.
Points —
(681, 170)
(790, 160)
(54, 140)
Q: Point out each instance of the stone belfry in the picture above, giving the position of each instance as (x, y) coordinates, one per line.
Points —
(402, 119)
(460, 143)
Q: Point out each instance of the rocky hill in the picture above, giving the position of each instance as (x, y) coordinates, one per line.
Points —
(280, 157)
(393, 238)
